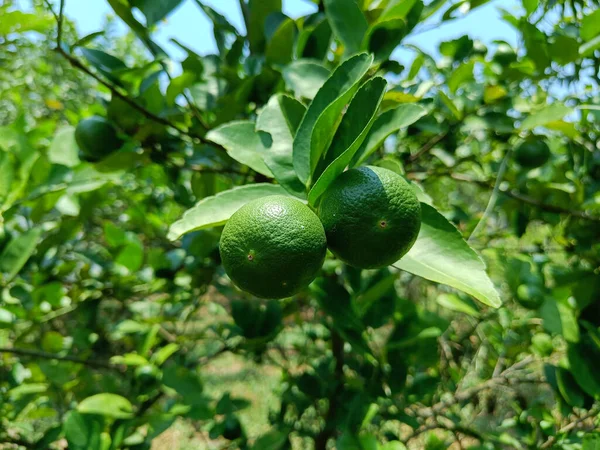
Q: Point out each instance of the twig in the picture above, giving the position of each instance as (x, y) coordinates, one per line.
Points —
(570, 426)
(45, 355)
(514, 194)
(493, 198)
(428, 146)
(76, 63)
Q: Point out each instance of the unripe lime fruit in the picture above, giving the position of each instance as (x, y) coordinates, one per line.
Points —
(530, 296)
(532, 153)
(97, 138)
(371, 217)
(273, 247)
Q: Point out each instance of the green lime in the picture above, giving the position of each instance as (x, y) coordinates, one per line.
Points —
(371, 217)
(273, 247)
(97, 138)
(530, 296)
(532, 153)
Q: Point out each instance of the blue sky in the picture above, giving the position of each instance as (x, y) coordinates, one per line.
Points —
(190, 26)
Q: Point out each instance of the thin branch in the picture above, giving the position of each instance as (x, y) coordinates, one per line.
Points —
(61, 19)
(570, 426)
(493, 198)
(45, 355)
(77, 64)
(428, 146)
(516, 195)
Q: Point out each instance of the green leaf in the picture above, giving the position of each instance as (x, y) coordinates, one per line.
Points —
(160, 356)
(129, 359)
(584, 367)
(463, 74)
(455, 303)
(122, 8)
(281, 118)
(319, 124)
(440, 250)
(590, 26)
(590, 47)
(20, 22)
(351, 133)
(530, 6)
(568, 388)
(387, 123)
(7, 175)
(108, 405)
(258, 11)
(185, 382)
(131, 256)
(564, 49)
(17, 252)
(243, 144)
(224, 32)
(560, 319)
(63, 149)
(280, 49)
(216, 210)
(305, 77)
(397, 9)
(591, 442)
(155, 11)
(82, 432)
(314, 41)
(550, 113)
(393, 445)
(450, 105)
(348, 23)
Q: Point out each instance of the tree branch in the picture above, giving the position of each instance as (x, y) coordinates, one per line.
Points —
(428, 146)
(516, 195)
(77, 64)
(45, 355)
(570, 426)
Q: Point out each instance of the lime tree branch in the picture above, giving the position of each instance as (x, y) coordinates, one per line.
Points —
(77, 64)
(46, 355)
(511, 193)
(593, 412)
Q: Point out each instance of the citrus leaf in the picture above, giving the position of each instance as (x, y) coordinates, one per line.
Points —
(155, 11)
(590, 47)
(319, 123)
(258, 11)
(351, 133)
(348, 23)
(387, 123)
(305, 77)
(590, 26)
(559, 318)
(108, 405)
(584, 369)
(280, 49)
(455, 303)
(280, 118)
(242, 143)
(216, 210)
(63, 149)
(568, 388)
(440, 250)
(17, 252)
(550, 113)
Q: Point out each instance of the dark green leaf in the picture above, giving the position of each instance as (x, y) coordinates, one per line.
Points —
(351, 133)
(387, 123)
(108, 405)
(348, 23)
(17, 252)
(155, 11)
(319, 123)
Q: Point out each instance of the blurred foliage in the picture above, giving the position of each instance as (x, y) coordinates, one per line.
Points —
(109, 330)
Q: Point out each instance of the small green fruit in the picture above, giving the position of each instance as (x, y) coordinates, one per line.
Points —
(532, 153)
(273, 247)
(97, 138)
(371, 217)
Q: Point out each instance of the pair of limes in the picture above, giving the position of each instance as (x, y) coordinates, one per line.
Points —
(274, 246)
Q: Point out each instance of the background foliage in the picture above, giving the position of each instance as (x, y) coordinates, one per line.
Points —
(110, 333)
